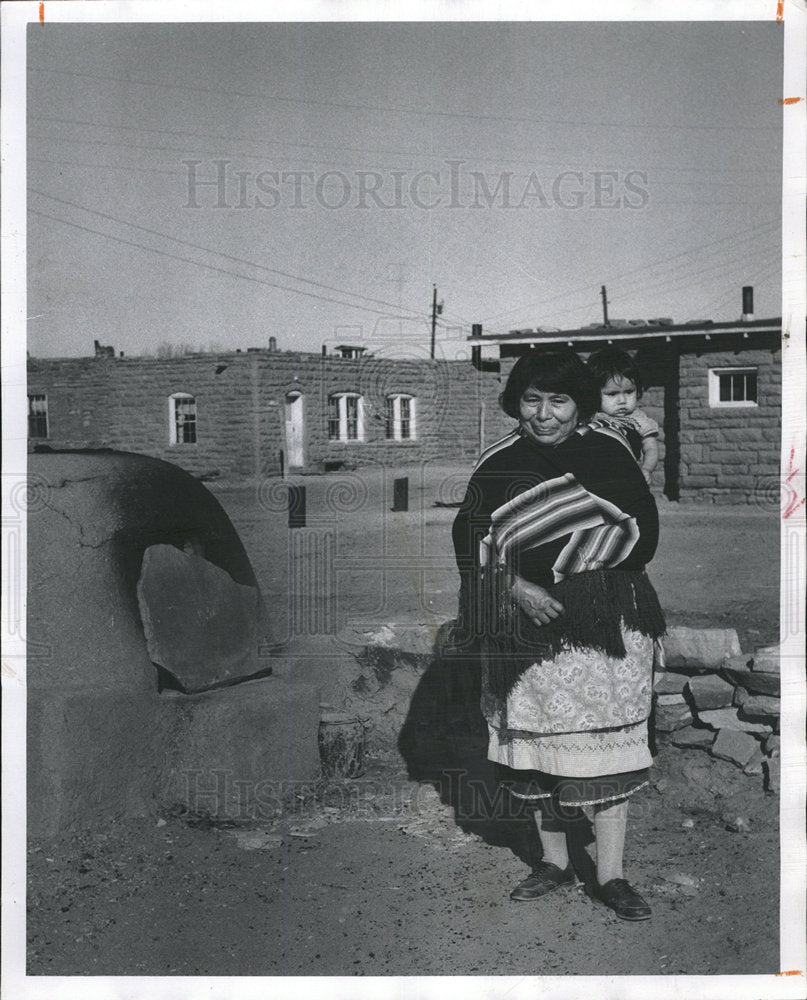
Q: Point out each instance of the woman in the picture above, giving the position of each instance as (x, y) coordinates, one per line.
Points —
(551, 541)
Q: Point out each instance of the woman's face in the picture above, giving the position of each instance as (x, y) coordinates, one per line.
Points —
(547, 417)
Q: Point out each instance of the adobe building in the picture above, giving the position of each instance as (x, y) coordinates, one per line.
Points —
(713, 388)
(262, 412)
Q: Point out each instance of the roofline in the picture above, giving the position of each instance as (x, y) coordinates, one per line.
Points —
(632, 333)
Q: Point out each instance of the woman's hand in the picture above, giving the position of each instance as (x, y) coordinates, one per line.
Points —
(536, 603)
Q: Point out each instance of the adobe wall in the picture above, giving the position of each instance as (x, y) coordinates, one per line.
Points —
(124, 404)
(729, 455)
(103, 743)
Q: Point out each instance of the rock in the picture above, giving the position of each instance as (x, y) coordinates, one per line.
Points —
(256, 840)
(670, 699)
(699, 649)
(691, 738)
(767, 660)
(738, 661)
(672, 717)
(729, 718)
(669, 682)
(688, 823)
(200, 625)
(759, 683)
(710, 691)
(740, 696)
(771, 772)
(705, 782)
(738, 824)
(737, 747)
(681, 878)
(754, 765)
(762, 705)
(772, 745)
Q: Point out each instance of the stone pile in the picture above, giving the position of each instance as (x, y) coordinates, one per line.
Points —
(710, 696)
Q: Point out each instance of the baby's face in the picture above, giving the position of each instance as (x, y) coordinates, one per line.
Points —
(618, 397)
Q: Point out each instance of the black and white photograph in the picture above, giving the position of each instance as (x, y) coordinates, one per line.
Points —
(404, 499)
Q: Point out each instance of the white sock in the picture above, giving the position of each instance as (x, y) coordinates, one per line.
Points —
(610, 822)
(553, 843)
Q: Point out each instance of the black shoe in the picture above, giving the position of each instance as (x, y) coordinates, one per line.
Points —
(623, 899)
(545, 878)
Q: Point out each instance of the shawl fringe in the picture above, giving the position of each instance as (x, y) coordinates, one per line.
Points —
(597, 604)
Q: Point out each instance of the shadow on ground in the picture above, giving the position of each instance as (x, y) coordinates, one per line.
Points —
(444, 741)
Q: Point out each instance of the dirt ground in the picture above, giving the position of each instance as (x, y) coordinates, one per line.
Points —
(405, 871)
(377, 879)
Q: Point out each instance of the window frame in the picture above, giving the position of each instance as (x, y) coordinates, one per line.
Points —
(343, 419)
(395, 421)
(173, 423)
(38, 416)
(715, 402)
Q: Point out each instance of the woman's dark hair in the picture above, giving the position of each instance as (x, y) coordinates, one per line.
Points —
(610, 362)
(551, 371)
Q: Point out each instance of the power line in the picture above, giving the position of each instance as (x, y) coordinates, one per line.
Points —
(764, 272)
(209, 267)
(101, 166)
(297, 158)
(239, 260)
(297, 143)
(730, 258)
(389, 109)
(699, 278)
(643, 267)
(666, 288)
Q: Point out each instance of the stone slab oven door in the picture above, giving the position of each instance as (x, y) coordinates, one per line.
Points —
(295, 430)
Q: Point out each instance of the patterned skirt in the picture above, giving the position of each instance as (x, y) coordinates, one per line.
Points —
(549, 736)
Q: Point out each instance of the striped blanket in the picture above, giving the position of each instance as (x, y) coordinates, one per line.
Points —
(577, 519)
(600, 535)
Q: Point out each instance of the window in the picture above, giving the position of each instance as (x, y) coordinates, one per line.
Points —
(732, 387)
(182, 419)
(37, 416)
(345, 417)
(400, 418)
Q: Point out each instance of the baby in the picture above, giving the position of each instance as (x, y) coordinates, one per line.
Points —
(620, 385)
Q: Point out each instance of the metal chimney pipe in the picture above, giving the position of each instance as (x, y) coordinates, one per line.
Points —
(748, 303)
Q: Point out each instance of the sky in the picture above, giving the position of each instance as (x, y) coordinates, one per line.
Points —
(210, 186)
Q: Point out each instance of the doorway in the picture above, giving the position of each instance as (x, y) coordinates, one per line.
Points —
(295, 430)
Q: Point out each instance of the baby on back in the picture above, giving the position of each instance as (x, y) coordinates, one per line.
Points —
(619, 380)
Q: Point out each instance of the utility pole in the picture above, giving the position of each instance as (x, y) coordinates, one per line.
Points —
(436, 311)
(604, 307)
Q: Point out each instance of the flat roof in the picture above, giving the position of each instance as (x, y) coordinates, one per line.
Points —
(614, 333)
